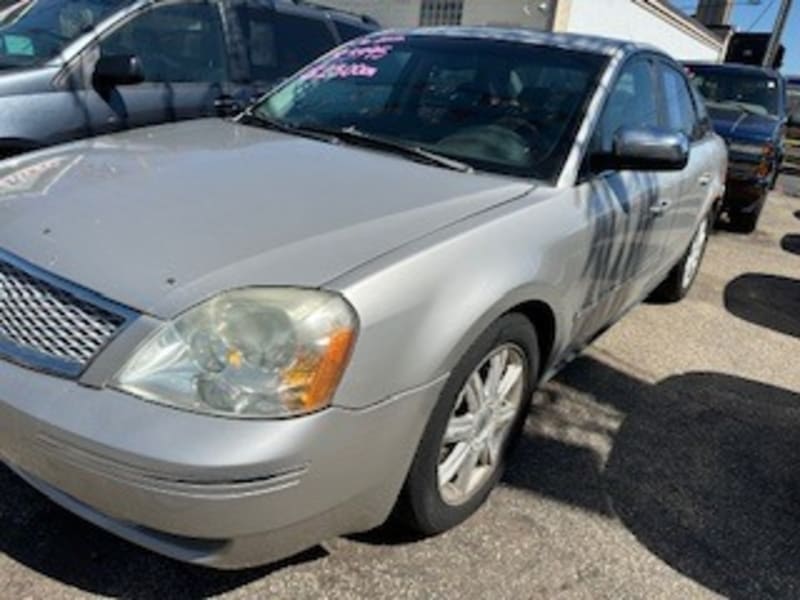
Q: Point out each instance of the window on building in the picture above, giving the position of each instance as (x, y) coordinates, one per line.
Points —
(441, 12)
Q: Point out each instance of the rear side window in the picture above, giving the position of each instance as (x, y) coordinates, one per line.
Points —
(704, 124)
(679, 107)
(280, 44)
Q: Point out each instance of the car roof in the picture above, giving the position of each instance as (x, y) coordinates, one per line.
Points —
(754, 69)
(76, 46)
(567, 41)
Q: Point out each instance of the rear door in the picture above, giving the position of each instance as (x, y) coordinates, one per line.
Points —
(181, 46)
(278, 42)
(691, 187)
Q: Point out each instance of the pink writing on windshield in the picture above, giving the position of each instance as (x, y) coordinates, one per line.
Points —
(365, 52)
(340, 71)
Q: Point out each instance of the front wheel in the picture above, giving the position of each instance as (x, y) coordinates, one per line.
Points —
(682, 276)
(480, 413)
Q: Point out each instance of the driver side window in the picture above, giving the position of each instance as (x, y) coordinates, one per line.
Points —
(632, 102)
(175, 43)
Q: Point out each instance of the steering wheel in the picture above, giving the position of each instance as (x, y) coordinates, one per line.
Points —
(488, 142)
(530, 132)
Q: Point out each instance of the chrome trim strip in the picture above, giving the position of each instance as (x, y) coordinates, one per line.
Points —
(40, 361)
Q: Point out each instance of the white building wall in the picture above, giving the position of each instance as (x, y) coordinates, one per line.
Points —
(534, 14)
(640, 21)
(646, 21)
(389, 13)
(406, 13)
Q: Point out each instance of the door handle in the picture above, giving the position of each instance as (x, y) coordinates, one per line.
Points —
(660, 207)
(227, 105)
(705, 179)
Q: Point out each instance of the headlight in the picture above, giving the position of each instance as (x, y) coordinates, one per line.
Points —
(257, 353)
(752, 149)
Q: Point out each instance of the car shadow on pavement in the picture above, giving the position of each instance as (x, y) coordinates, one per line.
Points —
(51, 541)
(791, 243)
(703, 468)
(770, 301)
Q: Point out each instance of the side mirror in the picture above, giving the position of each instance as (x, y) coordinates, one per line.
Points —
(118, 69)
(646, 149)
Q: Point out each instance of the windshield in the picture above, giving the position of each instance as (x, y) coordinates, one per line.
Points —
(749, 92)
(34, 31)
(503, 107)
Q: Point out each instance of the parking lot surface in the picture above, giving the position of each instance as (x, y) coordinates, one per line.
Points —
(663, 463)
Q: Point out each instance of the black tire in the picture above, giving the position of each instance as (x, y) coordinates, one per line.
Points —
(421, 506)
(745, 222)
(675, 287)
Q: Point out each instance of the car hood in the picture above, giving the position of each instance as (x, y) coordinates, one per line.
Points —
(162, 218)
(732, 123)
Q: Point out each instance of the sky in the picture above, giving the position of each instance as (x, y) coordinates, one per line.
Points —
(759, 15)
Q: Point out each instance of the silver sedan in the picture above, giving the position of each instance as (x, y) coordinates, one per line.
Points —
(229, 341)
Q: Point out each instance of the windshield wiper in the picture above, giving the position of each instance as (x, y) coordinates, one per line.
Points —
(354, 135)
(249, 117)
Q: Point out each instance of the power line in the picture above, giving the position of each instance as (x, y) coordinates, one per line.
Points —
(762, 15)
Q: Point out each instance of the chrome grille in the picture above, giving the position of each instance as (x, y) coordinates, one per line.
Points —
(45, 325)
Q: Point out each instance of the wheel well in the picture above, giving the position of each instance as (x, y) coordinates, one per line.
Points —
(544, 321)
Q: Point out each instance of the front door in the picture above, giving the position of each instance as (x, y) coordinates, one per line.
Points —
(182, 49)
(628, 215)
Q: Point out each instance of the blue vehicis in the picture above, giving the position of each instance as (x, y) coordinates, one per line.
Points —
(747, 106)
(72, 69)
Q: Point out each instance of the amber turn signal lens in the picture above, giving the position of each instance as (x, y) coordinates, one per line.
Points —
(320, 377)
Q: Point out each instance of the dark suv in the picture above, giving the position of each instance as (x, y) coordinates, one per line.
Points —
(748, 108)
(76, 68)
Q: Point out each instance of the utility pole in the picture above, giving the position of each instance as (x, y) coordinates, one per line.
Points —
(777, 33)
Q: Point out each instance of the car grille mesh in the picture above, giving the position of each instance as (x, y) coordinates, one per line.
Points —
(40, 318)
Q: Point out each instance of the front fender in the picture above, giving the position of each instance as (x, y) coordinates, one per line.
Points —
(423, 306)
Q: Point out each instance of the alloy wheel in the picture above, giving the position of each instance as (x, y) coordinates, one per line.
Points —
(695, 254)
(480, 423)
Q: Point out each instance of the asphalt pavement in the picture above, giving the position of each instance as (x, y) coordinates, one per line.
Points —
(664, 463)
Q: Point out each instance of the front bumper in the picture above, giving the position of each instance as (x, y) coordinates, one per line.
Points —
(746, 170)
(747, 183)
(206, 490)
